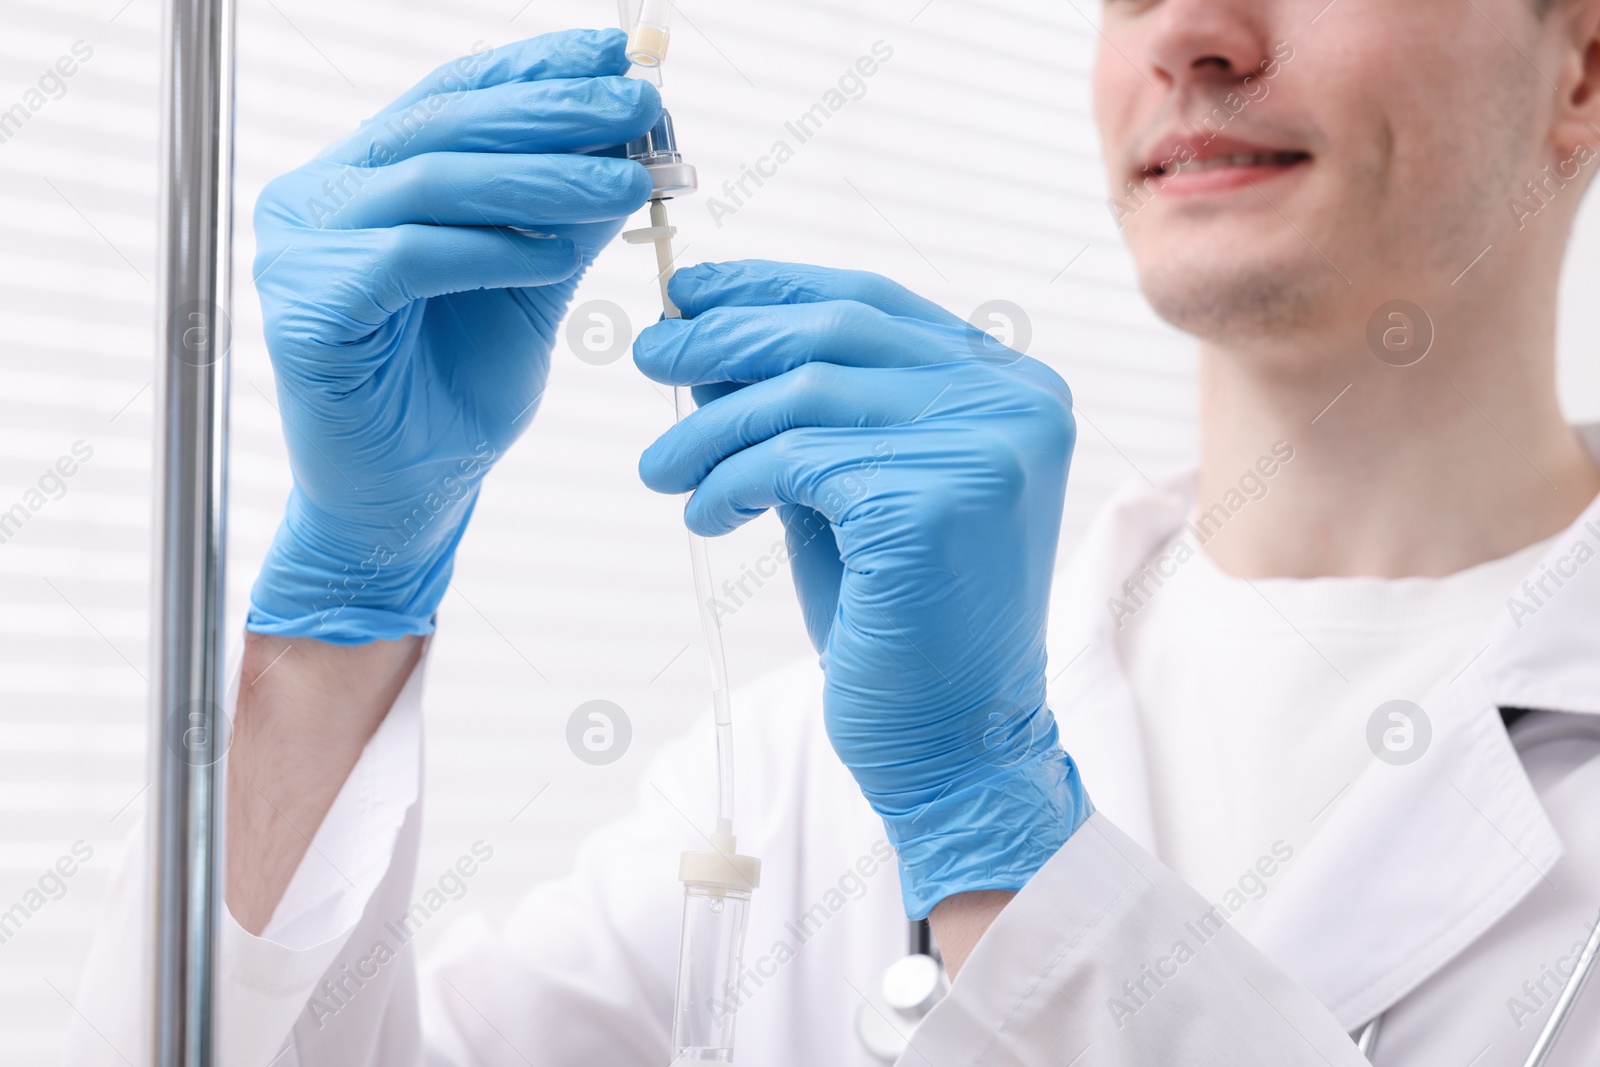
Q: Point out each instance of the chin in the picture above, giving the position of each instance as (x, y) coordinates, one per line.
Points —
(1239, 295)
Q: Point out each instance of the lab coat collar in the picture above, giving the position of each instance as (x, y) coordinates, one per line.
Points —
(1411, 863)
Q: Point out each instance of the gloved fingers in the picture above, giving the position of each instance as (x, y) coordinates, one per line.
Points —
(814, 395)
(737, 344)
(480, 189)
(360, 278)
(762, 283)
(822, 469)
(817, 567)
(705, 394)
(566, 54)
(740, 488)
(425, 261)
(560, 115)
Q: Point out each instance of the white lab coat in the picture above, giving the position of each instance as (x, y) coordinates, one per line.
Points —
(1433, 891)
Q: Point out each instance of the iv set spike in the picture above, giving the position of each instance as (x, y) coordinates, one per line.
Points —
(718, 882)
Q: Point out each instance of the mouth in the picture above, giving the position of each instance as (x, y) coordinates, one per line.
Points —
(1235, 161)
(1219, 166)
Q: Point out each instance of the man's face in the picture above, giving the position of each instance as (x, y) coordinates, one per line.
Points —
(1296, 162)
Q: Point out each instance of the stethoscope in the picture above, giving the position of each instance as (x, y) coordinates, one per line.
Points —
(913, 984)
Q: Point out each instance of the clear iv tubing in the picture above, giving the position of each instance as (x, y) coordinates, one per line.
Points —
(717, 883)
(653, 12)
(710, 625)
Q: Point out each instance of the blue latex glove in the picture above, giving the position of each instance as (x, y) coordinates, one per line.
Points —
(412, 278)
(919, 468)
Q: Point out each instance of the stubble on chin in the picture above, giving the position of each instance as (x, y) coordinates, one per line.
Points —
(1236, 302)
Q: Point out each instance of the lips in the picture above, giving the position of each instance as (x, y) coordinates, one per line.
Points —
(1187, 165)
(1168, 168)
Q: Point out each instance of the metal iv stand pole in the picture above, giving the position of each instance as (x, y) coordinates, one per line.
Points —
(188, 732)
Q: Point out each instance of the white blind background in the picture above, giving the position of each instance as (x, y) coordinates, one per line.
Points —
(968, 171)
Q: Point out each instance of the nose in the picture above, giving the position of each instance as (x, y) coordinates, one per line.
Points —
(1206, 43)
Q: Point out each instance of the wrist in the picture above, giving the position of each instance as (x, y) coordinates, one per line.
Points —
(347, 581)
(305, 714)
(959, 923)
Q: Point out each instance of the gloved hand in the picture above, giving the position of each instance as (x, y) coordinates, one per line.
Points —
(919, 469)
(412, 278)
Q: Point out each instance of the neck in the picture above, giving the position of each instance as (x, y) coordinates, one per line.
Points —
(1422, 470)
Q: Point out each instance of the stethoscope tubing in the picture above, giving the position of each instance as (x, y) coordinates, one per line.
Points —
(1569, 997)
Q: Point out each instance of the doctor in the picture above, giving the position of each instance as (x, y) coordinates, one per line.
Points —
(1332, 693)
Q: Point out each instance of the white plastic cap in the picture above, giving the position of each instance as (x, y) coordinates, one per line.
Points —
(721, 868)
(647, 44)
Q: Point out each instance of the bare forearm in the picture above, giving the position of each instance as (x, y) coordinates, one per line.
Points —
(959, 922)
(306, 711)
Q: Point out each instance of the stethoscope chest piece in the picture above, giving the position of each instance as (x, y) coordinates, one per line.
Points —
(911, 986)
